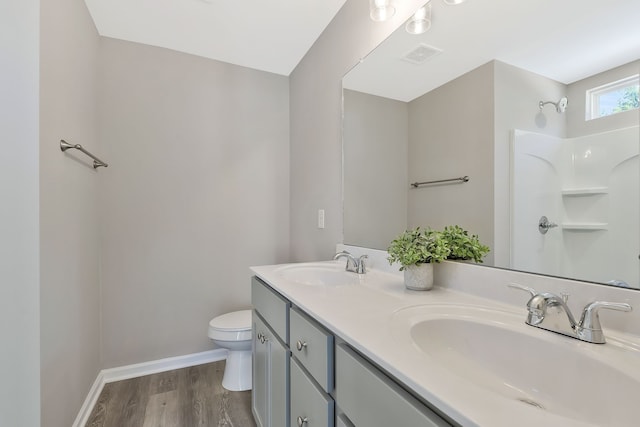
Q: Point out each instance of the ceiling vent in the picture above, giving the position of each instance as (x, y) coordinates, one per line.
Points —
(420, 54)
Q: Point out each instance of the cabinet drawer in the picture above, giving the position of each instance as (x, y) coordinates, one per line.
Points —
(371, 399)
(273, 308)
(312, 345)
(310, 406)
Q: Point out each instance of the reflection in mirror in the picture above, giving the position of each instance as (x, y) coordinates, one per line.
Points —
(536, 101)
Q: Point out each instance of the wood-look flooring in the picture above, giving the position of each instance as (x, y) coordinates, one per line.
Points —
(186, 397)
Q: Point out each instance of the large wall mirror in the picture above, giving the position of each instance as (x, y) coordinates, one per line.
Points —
(535, 101)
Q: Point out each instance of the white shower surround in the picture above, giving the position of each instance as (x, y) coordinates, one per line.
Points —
(588, 185)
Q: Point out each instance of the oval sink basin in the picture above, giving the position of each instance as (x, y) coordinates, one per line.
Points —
(318, 274)
(497, 352)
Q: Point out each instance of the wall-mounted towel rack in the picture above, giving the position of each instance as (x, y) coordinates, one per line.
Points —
(461, 180)
(64, 146)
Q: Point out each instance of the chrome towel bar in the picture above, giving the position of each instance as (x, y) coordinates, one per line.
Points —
(64, 146)
(461, 180)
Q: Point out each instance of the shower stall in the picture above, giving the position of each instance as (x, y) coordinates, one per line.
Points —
(588, 189)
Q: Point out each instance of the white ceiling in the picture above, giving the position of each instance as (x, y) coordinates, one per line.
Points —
(565, 40)
(270, 35)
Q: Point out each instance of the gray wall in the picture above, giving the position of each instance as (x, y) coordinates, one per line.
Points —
(461, 128)
(517, 93)
(19, 287)
(69, 269)
(451, 135)
(133, 260)
(197, 191)
(376, 180)
(316, 116)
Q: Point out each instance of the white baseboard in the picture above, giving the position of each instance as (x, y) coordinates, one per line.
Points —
(141, 369)
(90, 401)
(153, 367)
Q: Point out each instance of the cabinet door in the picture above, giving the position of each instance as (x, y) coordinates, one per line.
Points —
(260, 394)
(343, 421)
(370, 399)
(270, 394)
(278, 381)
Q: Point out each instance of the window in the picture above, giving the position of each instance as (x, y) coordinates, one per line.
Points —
(612, 98)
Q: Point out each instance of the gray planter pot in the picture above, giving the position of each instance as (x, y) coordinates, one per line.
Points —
(419, 277)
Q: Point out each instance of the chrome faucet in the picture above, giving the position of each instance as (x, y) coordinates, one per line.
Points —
(355, 265)
(550, 311)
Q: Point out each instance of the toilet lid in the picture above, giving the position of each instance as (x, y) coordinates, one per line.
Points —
(235, 321)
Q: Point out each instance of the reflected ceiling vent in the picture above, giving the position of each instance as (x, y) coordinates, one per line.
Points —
(421, 54)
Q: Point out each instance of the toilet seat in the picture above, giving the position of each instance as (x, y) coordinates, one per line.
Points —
(234, 326)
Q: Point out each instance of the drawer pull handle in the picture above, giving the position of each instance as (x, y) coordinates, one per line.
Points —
(301, 421)
(300, 345)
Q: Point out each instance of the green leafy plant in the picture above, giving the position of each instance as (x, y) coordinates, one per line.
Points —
(418, 246)
(462, 245)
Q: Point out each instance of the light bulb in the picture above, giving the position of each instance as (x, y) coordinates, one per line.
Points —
(381, 10)
(420, 13)
(420, 22)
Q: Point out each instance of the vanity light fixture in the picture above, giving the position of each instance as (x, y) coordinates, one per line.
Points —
(420, 22)
(453, 2)
(381, 10)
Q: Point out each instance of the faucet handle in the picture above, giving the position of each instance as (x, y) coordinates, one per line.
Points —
(361, 268)
(520, 287)
(590, 318)
(589, 328)
(341, 253)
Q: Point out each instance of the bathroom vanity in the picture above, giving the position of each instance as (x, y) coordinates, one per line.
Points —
(305, 393)
(333, 348)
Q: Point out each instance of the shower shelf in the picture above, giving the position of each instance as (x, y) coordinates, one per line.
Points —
(585, 191)
(585, 226)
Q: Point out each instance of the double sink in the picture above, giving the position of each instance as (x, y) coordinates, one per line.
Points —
(488, 349)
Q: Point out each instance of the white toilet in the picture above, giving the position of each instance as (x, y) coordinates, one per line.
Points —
(233, 332)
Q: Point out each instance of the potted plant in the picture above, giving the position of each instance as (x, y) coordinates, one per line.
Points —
(416, 251)
(463, 246)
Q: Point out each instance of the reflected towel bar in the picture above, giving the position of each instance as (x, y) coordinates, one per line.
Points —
(64, 146)
(461, 180)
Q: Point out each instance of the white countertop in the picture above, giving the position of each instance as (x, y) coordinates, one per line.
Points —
(362, 314)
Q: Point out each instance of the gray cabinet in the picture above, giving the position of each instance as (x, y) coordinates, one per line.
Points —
(312, 346)
(310, 406)
(272, 307)
(270, 396)
(298, 371)
(367, 397)
(311, 372)
(342, 421)
(260, 374)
